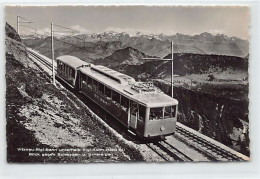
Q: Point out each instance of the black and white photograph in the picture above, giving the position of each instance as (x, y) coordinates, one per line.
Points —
(127, 84)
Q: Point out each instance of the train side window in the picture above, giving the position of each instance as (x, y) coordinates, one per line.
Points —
(116, 97)
(89, 82)
(108, 92)
(134, 108)
(62, 67)
(83, 78)
(66, 69)
(173, 111)
(142, 110)
(72, 73)
(124, 102)
(156, 113)
(95, 85)
(58, 64)
(69, 71)
(170, 111)
(167, 112)
(101, 88)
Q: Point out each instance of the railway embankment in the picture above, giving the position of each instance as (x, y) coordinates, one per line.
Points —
(220, 118)
(46, 124)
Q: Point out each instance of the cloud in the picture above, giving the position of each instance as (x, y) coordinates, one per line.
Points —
(62, 32)
(45, 31)
(82, 30)
(33, 31)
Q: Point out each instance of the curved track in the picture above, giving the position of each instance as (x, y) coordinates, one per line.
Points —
(40, 59)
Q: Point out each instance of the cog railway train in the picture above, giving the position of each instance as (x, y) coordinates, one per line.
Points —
(140, 106)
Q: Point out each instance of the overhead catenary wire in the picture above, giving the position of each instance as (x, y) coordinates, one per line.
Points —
(25, 19)
(33, 32)
(38, 30)
(26, 26)
(65, 28)
(18, 23)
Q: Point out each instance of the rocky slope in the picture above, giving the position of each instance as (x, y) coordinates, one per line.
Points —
(11, 33)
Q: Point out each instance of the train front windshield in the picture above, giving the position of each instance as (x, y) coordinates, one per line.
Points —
(159, 113)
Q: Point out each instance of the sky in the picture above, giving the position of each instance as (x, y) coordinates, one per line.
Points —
(169, 20)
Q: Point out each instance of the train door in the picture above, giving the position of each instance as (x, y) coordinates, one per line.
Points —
(133, 114)
(141, 119)
(78, 80)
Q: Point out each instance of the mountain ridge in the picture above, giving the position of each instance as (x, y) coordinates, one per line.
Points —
(153, 45)
(125, 56)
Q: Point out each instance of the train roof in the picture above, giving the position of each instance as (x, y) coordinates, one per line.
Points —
(156, 99)
(115, 75)
(145, 93)
(71, 61)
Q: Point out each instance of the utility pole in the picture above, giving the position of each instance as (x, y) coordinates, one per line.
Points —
(23, 21)
(52, 52)
(172, 71)
(17, 24)
(52, 47)
(171, 66)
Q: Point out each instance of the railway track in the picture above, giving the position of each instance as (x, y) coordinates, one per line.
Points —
(168, 152)
(40, 59)
(214, 152)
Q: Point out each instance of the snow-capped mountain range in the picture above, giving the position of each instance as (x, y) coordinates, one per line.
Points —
(158, 44)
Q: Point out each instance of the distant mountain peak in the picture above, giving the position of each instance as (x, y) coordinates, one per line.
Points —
(206, 34)
(127, 56)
